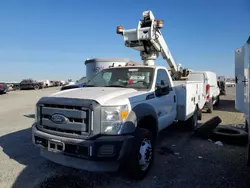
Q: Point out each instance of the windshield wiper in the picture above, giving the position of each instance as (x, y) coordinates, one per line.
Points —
(114, 86)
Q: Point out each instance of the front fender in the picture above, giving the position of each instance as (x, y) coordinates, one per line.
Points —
(138, 113)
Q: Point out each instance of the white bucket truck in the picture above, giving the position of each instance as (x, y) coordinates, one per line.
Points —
(116, 117)
(242, 68)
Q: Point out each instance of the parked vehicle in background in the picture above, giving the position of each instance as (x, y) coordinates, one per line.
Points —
(211, 90)
(57, 83)
(47, 83)
(63, 82)
(82, 80)
(242, 68)
(3, 88)
(29, 84)
(230, 84)
(222, 84)
(71, 83)
(73, 86)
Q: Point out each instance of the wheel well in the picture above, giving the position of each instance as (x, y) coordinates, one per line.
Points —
(149, 123)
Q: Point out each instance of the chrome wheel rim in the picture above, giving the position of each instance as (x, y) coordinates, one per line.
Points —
(145, 154)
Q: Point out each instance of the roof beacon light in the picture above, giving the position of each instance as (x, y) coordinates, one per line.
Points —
(119, 30)
(159, 23)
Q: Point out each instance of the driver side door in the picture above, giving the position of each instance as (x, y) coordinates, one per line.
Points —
(165, 104)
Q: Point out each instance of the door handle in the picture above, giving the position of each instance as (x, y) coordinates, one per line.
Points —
(174, 99)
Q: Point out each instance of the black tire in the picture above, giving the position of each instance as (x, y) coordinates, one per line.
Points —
(17, 88)
(192, 122)
(200, 115)
(210, 107)
(230, 135)
(217, 101)
(206, 129)
(36, 87)
(135, 170)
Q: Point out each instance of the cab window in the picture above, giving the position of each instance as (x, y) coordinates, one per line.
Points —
(163, 75)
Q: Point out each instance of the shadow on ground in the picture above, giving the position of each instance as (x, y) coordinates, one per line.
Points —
(41, 173)
(226, 105)
(181, 161)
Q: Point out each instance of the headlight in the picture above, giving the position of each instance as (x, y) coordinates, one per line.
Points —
(113, 118)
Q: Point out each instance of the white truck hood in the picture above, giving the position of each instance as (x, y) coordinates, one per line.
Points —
(106, 96)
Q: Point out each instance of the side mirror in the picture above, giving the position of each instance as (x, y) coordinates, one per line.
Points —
(165, 90)
(162, 89)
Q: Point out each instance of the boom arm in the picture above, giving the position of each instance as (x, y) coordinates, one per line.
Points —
(147, 39)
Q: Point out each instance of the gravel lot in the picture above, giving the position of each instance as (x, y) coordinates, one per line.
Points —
(181, 159)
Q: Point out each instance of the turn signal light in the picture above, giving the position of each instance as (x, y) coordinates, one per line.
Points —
(119, 30)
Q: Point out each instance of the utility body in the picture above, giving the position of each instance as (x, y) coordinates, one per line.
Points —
(115, 119)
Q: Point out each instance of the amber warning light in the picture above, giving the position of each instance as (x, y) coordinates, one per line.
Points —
(159, 23)
(119, 30)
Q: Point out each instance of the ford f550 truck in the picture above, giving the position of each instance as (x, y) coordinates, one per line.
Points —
(115, 119)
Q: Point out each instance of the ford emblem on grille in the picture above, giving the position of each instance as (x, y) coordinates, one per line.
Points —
(59, 119)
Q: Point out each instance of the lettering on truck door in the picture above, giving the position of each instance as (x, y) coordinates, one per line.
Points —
(165, 105)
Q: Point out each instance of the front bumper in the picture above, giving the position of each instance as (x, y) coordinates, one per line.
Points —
(103, 153)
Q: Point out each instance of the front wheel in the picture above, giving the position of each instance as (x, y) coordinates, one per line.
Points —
(142, 155)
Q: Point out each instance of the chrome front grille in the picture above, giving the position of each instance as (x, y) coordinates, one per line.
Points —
(78, 119)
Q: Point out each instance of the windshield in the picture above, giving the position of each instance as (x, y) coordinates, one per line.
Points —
(127, 77)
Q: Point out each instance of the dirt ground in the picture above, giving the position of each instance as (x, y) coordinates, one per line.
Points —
(182, 161)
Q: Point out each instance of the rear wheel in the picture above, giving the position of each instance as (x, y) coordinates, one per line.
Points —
(142, 155)
(17, 87)
(210, 106)
(36, 87)
(217, 101)
(192, 122)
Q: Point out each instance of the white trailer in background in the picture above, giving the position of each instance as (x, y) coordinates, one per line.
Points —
(242, 68)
